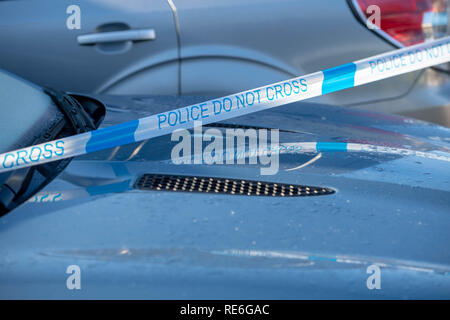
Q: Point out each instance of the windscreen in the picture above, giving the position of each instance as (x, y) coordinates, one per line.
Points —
(24, 110)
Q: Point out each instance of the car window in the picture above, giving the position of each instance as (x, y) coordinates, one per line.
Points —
(25, 105)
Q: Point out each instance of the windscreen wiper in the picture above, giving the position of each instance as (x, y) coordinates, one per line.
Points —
(75, 114)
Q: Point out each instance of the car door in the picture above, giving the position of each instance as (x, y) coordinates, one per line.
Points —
(68, 45)
(233, 45)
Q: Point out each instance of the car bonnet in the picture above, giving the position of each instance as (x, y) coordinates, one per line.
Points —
(387, 209)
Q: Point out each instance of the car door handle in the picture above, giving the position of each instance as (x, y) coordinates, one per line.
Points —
(117, 36)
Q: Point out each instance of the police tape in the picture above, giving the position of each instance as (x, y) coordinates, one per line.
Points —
(307, 147)
(300, 88)
(304, 147)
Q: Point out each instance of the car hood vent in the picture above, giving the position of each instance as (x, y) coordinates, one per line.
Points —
(214, 185)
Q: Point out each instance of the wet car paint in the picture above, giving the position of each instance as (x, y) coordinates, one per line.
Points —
(388, 210)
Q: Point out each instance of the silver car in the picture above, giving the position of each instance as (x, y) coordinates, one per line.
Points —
(199, 47)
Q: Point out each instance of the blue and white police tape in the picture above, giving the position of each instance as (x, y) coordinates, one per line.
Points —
(308, 147)
(300, 88)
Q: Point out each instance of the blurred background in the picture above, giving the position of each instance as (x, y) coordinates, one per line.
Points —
(200, 47)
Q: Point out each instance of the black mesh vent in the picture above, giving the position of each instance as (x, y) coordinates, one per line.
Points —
(159, 182)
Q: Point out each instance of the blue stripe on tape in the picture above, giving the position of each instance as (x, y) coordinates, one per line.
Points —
(339, 78)
(319, 258)
(112, 136)
(331, 146)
